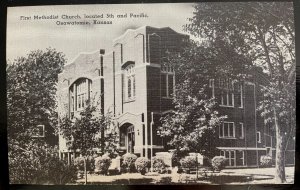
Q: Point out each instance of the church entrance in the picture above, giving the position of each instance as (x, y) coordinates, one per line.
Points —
(130, 139)
(127, 138)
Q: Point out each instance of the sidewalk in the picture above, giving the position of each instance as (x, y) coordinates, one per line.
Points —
(127, 178)
(259, 176)
(262, 175)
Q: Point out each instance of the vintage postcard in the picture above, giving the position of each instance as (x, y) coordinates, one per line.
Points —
(177, 93)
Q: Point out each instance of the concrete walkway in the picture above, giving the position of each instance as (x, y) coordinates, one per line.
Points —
(263, 175)
(259, 176)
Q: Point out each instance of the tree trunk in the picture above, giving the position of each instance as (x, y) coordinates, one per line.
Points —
(280, 153)
(261, 37)
(280, 161)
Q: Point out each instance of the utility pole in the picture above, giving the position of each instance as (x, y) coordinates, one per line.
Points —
(197, 155)
(151, 139)
(102, 52)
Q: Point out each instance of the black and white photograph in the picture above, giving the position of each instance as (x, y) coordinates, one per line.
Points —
(151, 94)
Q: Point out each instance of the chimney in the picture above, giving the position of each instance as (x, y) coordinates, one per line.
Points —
(102, 51)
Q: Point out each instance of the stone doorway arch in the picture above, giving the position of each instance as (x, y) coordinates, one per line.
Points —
(127, 137)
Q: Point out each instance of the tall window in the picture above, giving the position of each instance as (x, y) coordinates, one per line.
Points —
(227, 130)
(167, 81)
(129, 87)
(80, 92)
(258, 137)
(227, 96)
(241, 130)
(239, 94)
(133, 86)
(130, 83)
(242, 157)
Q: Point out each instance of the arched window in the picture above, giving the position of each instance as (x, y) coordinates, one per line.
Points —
(80, 92)
(129, 87)
(129, 83)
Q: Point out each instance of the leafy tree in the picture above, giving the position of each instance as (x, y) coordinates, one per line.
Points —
(85, 133)
(264, 33)
(193, 125)
(31, 90)
(31, 93)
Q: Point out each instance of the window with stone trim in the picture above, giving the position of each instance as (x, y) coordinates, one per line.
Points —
(227, 98)
(242, 157)
(39, 131)
(226, 87)
(130, 91)
(230, 155)
(239, 94)
(258, 136)
(80, 92)
(129, 87)
(227, 130)
(241, 130)
(167, 81)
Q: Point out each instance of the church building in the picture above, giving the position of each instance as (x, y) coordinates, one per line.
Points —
(131, 83)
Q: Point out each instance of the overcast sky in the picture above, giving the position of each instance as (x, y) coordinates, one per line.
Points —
(26, 35)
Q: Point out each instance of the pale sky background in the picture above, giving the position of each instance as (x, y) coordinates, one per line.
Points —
(25, 36)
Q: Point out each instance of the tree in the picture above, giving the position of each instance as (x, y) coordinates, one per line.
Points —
(193, 125)
(31, 90)
(264, 33)
(85, 133)
(31, 93)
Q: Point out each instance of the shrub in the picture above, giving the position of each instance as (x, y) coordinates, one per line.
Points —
(218, 163)
(188, 162)
(141, 165)
(79, 163)
(57, 172)
(159, 165)
(266, 161)
(128, 161)
(23, 168)
(102, 164)
(47, 168)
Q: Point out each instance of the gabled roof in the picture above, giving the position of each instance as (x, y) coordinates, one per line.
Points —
(84, 57)
(143, 30)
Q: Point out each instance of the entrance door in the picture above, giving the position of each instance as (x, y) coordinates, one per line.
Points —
(130, 137)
